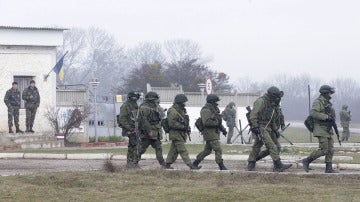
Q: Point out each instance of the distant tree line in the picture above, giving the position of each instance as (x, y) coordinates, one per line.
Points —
(95, 53)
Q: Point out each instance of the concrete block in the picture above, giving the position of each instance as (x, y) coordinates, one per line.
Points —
(348, 166)
(11, 155)
(118, 157)
(44, 156)
(102, 156)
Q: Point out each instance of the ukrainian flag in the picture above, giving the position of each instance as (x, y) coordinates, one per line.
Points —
(58, 68)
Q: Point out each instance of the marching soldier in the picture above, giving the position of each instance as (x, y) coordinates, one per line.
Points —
(264, 123)
(345, 118)
(323, 114)
(229, 115)
(212, 121)
(32, 102)
(179, 132)
(126, 120)
(149, 118)
(13, 100)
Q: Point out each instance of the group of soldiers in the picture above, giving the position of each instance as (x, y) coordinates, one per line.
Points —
(143, 126)
(12, 100)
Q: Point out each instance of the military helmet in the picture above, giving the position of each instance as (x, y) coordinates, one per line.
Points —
(344, 106)
(325, 89)
(152, 96)
(231, 104)
(275, 92)
(133, 94)
(212, 98)
(180, 98)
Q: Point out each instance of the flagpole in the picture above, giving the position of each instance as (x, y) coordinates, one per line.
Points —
(52, 69)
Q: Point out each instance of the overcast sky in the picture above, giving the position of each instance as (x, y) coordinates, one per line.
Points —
(254, 38)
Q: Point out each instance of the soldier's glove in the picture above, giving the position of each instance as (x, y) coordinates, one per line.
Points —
(256, 130)
(330, 118)
(277, 134)
(282, 127)
(224, 132)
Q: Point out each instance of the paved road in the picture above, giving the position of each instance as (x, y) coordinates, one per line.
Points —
(10, 167)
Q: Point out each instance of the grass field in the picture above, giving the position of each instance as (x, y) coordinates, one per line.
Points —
(160, 185)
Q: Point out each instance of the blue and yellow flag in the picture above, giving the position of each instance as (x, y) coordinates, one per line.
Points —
(58, 68)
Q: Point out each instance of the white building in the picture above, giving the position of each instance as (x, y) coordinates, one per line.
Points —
(28, 53)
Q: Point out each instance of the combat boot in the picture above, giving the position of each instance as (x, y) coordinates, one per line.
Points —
(192, 167)
(10, 130)
(168, 166)
(163, 164)
(251, 166)
(222, 166)
(31, 130)
(196, 163)
(280, 167)
(306, 162)
(27, 129)
(329, 168)
(18, 130)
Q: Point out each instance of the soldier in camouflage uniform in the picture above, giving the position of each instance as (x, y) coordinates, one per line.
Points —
(229, 115)
(345, 118)
(32, 102)
(323, 114)
(264, 121)
(279, 123)
(149, 118)
(13, 100)
(212, 121)
(179, 132)
(126, 120)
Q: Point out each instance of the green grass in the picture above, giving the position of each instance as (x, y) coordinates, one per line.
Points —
(159, 185)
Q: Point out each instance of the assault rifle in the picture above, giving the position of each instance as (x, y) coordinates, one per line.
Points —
(281, 135)
(137, 132)
(259, 136)
(333, 125)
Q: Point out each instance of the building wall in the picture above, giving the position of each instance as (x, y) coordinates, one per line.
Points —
(28, 61)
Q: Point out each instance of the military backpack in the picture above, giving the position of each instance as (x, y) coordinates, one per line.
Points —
(199, 124)
(309, 123)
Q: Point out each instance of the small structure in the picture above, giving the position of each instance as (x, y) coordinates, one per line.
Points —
(29, 53)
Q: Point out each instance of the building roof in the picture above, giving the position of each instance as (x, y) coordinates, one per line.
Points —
(33, 28)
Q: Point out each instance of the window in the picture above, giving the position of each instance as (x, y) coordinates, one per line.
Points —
(23, 82)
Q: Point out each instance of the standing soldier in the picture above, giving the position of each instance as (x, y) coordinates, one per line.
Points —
(264, 122)
(127, 118)
(179, 132)
(229, 115)
(212, 121)
(324, 115)
(32, 102)
(12, 100)
(345, 118)
(150, 126)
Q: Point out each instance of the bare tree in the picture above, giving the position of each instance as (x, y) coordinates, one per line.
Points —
(65, 122)
(145, 53)
(183, 50)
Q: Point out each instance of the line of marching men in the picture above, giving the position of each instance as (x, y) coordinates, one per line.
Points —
(143, 126)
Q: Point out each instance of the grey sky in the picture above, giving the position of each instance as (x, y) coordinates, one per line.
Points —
(252, 38)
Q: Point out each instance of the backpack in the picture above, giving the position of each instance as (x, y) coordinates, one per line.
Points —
(165, 125)
(309, 123)
(199, 124)
(118, 120)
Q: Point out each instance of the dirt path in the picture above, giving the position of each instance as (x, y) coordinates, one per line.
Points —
(10, 167)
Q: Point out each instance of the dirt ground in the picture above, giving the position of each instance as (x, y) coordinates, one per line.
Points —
(10, 167)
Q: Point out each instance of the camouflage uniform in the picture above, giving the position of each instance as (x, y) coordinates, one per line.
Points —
(345, 118)
(32, 102)
(127, 118)
(264, 118)
(150, 126)
(229, 115)
(278, 123)
(179, 132)
(323, 114)
(12, 100)
(211, 118)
